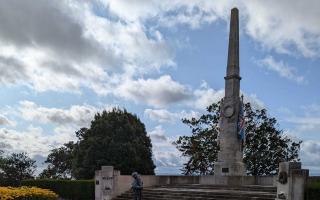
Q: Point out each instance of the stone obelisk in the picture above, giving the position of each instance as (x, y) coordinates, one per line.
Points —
(230, 156)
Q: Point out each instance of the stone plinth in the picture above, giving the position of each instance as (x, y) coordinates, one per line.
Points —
(291, 181)
(104, 182)
(229, 168)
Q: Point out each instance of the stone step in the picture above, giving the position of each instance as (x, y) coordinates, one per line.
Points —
(202, 195)
(188, 198)
(194, 198)
(169, 197)
(242, 188)
(205, 192)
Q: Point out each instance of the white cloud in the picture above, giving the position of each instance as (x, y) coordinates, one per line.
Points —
(164, 152)
(205, 96)
(281, 68)
(37, 141)
(79, 115)
(254, 101)
(71, 47)
(4, 121)
(294, 31)
(51, 53)
(169, 12)
(306, 125)
(163, 115)
(33, 140)
(140, 9)
(310, 153)
(158, 134)
(307, 122)
(160, 115)
(155, 92)
(303, 123)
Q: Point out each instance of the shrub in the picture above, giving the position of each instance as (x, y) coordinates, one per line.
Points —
(313, 191)
(26, 193)
(67, 189)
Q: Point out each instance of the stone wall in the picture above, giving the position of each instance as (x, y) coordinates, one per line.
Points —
(122, 183)
(237, 180)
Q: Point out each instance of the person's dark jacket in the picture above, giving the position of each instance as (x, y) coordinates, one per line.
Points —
(137, 183)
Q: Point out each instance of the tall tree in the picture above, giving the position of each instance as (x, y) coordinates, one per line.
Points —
(265, 145)
(59, 163)
(116, 138)
(17, 167)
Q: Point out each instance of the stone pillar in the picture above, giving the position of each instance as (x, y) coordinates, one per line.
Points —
(291, 181)
(105, 180)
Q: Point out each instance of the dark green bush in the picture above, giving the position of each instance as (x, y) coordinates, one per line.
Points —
(67, 189)
(313, 191)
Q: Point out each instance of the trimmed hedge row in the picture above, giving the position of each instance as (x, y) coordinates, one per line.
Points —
(313, 191)
(67, 189)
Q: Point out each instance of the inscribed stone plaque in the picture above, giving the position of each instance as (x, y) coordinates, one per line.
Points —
(225, 170)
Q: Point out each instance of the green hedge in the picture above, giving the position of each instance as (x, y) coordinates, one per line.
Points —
(313, 191)
(67, 189)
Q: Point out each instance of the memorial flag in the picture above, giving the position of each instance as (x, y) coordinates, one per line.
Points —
(241, 123)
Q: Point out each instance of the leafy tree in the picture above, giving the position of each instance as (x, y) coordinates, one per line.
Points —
(59, 163)
(116, 138)
(265, 145)
(201, 147)
(17, 167)
(2, 160)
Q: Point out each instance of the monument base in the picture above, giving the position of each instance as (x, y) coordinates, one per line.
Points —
(229, 169)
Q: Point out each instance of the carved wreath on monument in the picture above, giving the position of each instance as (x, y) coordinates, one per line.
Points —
(228, 111)
(283, 177)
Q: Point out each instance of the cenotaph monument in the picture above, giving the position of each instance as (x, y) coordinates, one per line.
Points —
(230, 156)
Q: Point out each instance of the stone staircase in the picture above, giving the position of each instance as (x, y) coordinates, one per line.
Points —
(205, 192)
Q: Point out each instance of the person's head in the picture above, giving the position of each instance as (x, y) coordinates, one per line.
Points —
(134, 174)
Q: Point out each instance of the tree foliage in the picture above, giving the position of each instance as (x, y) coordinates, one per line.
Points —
(2, 161)
(265, 145)
(59, 163)
(116, 138)
(17, 167)
(201, 147)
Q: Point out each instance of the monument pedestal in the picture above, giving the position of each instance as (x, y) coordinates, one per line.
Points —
(229, 169)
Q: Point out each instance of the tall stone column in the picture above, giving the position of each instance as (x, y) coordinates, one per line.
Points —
(230, 156)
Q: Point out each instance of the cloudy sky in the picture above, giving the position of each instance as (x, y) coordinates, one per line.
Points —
(63, 61)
